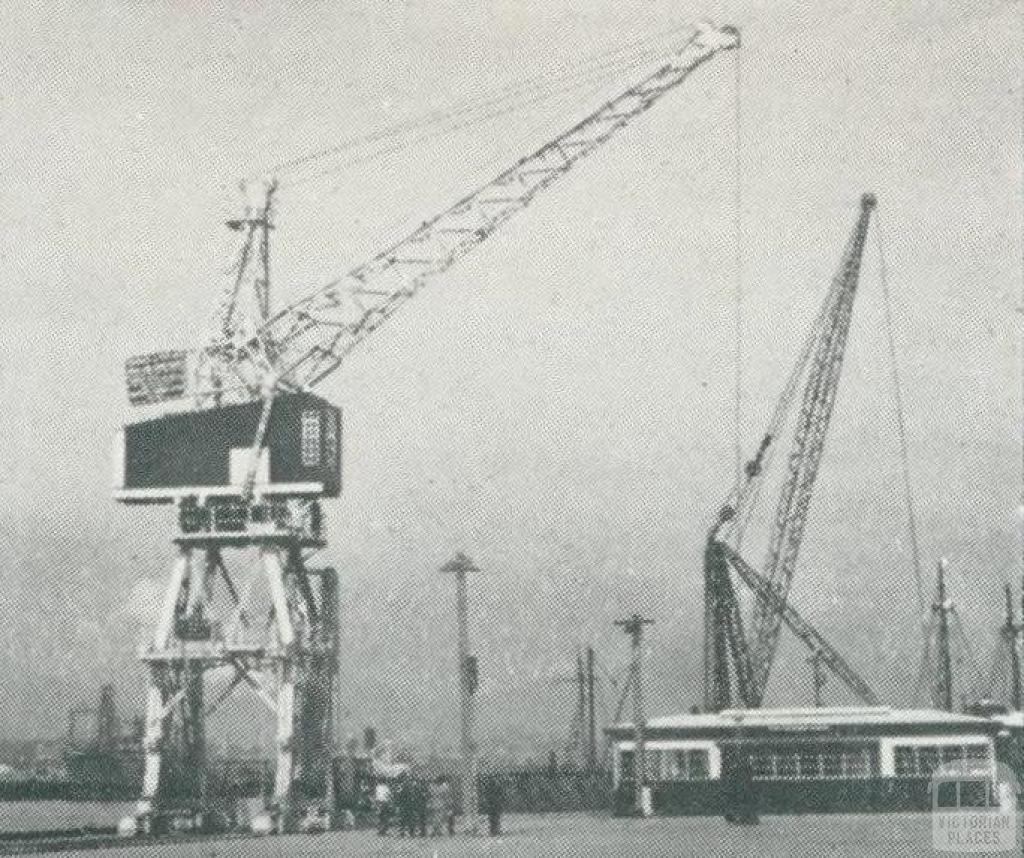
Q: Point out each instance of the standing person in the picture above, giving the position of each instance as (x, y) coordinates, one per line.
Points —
(447, 805)
(420, 799)
(435, 807)
(493, 805)
(383, 799)
(739, 791)
(404, 800)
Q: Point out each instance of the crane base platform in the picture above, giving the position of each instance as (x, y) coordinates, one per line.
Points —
(242, 613)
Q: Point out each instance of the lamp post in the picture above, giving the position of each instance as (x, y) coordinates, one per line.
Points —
(460, 566)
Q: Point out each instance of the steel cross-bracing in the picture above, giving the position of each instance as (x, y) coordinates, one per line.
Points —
(269, 628)
(731, 657)
(312, 337)
(815, 641)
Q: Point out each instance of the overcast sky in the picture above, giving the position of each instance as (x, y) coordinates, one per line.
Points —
(561, 406)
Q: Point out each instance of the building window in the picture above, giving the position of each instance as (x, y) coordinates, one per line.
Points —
(952, 753)
(905, 761)
(975, 793)
(310, 439)
(978, 753)
(762, 765)
(652, 764)
(857, 764)
(697, 765)
(831, 763)
(809, 761)
(946, 796)
(785, 765)
(681, 765)
(923, 760)
(814, 762)
(928, 760)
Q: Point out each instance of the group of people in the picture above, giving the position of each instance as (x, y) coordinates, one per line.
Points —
(417, 806)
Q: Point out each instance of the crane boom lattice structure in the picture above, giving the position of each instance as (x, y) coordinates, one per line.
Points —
(253, 453)
(818, 402)
(735, 663)
(313, 336)
(821, 649)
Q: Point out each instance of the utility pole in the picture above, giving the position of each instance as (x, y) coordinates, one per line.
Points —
(459, 566)
(818, 677)
(580, 749)
(1017, 645)
(591, 714)
(1011, 632)
(634, 627)
(941, 608)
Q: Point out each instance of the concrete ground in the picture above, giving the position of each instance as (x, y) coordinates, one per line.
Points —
(592, 836)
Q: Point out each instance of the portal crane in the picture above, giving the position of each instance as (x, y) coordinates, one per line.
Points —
(248, 452)
(732, 656)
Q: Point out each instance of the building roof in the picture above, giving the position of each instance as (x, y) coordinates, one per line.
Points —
(842, 719)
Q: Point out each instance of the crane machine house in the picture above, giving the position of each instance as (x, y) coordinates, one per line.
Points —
(206, 454)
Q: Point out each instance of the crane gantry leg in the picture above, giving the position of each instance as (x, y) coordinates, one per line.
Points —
(282, 646)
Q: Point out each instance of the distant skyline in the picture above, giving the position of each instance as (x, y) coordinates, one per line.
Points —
(561, 407)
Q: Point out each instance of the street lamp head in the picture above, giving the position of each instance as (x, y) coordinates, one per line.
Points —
(460, 563)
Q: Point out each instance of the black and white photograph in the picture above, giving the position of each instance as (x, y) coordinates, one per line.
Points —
(526, 428)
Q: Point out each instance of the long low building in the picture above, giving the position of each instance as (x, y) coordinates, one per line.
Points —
(802, 760)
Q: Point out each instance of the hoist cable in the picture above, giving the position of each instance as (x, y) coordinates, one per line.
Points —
(513, 91)
(595, 81)
(738, 202)
(901, 427)
(1020, 308)
(430, 135)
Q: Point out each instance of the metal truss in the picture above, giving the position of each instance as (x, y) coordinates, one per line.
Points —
(271, 629)
(819, 646)
(808, 447)
(817, 373)
(309, 339)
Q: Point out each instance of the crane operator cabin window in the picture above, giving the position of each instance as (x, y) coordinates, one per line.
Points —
(310, 438)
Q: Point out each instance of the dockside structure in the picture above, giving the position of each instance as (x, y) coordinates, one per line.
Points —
(802, 760)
